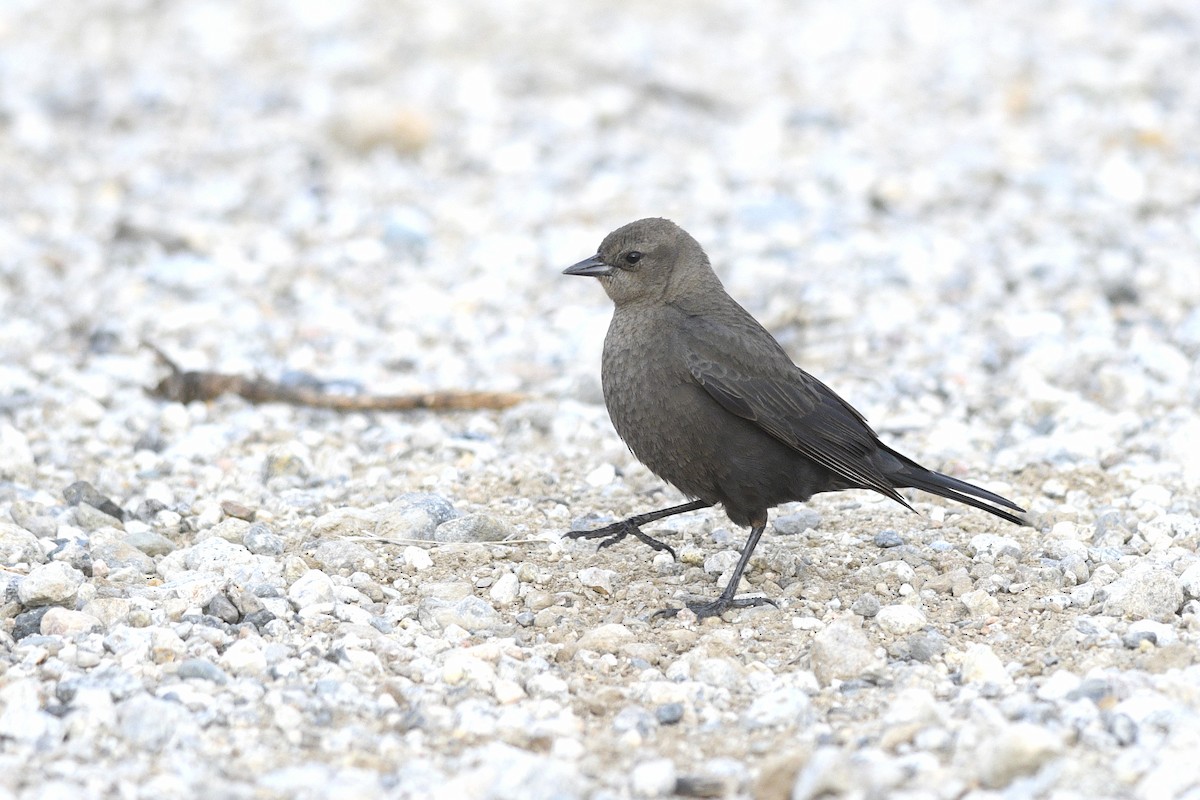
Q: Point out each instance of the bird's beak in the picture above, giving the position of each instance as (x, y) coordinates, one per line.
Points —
(592, 267)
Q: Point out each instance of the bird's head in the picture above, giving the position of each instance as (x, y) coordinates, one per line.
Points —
(651, 260)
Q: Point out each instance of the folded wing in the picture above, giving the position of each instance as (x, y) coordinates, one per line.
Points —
(800, 411)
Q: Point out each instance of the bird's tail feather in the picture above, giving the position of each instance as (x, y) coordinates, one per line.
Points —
(917, 477)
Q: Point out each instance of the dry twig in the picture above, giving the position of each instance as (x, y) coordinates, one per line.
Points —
(184, 386)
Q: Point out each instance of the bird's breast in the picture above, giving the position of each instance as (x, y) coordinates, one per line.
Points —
(656, 406)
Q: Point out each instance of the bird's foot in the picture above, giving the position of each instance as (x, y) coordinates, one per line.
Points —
(715, 608)
(618, 531)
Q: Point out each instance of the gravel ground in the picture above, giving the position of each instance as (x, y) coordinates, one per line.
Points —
(979, 222)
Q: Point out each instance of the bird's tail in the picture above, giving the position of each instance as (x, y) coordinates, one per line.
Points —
(913, 475)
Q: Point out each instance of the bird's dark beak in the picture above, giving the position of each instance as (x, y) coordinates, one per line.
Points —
(592, 267)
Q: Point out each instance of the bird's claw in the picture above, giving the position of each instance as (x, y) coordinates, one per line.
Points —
(611, 534)
(715, 608)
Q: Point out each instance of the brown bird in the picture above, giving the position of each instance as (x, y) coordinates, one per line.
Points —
(708, 400)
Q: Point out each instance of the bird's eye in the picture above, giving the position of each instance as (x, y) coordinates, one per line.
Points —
(632, 257)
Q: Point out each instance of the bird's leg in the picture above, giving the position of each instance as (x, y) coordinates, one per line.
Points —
(619, 530)
(726, 601)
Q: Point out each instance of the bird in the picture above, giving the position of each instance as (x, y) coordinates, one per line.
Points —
(709, 401)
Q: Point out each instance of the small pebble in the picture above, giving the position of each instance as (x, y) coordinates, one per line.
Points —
(203, 669)
(505, 590)
(18, 546)
(887, 538)
(605, 638)
(990, 546)
(926, 646)
(121, 555)
(313, 588)
(55, 583)
(233, 508)
(796, 522)
(980, 664)
(338, 554)
(33, 517)
(437, 507)
(417, 557)
(842, 651)
(599, 580)
(669, 713)
(867, 605)
(223, 609)
(1018, 750)
(473, 528)
(1160, 634)
(783, 708)
(58, 621)
(1122, 728)
(83, 493)
(653, 778)
(150, 542)
(472, 614)
(16, 457)
(1189, 581)
(341, 523)
(900, 619)
(402, 521)
(979, 603)
(602, 475)
(1144, 591)
(93, 519)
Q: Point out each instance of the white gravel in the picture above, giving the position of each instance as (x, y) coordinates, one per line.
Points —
(979, 222)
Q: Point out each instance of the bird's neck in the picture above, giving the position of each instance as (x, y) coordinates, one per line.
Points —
(709, 299)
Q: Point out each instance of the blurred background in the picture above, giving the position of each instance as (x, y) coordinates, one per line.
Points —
(966, 198)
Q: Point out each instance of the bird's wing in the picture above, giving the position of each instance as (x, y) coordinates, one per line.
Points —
(767, 389)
